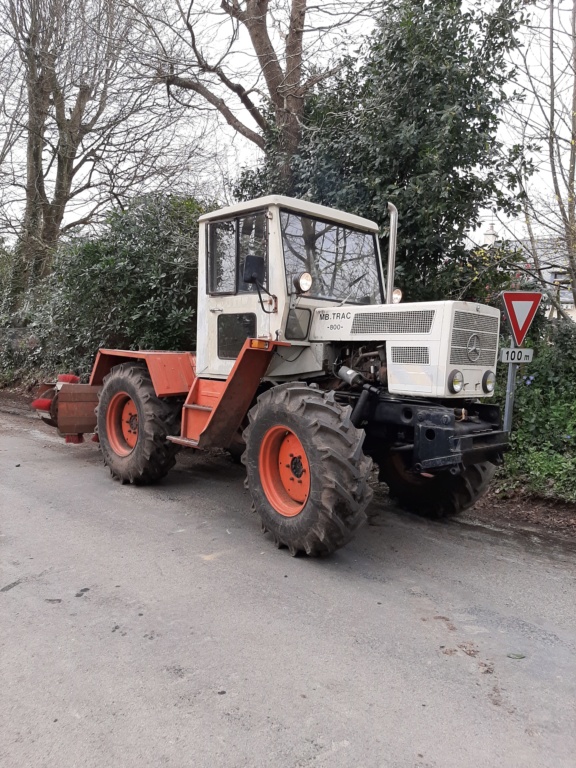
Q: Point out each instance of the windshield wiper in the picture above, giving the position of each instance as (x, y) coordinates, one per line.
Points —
(350, 284)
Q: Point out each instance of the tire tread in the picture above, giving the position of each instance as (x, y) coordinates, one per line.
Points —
(154, 456)
(345, 494)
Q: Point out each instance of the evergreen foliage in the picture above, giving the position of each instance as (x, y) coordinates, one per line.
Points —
(543, 456)
(413, 121)
(134, 286)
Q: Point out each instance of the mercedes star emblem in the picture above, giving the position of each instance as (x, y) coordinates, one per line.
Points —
(473, 348)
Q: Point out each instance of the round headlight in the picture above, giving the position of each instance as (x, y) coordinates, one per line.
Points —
(489, 382)
(303, 282)
(396, 296)
(456, 382)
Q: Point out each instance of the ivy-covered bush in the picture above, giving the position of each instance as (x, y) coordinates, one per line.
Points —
(543, 456)
(134, 286)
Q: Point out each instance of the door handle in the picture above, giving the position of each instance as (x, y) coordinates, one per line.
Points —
(217, 309)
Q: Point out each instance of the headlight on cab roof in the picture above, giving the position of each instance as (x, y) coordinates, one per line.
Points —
(489, 382)
(456, 382)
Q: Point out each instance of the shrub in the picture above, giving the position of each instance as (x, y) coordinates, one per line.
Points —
(132, 287)
(543, 455)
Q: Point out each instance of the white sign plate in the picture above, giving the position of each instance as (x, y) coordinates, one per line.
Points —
(516, 355)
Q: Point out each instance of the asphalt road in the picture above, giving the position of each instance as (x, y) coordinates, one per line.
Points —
(158, 627)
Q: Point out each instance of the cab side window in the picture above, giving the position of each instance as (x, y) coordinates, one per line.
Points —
(229, 243)
(233, 330)
(222, 256)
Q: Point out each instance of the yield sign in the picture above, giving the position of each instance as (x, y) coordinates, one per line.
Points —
(520, 307)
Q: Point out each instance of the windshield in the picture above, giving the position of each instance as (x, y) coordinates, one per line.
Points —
(343, 262)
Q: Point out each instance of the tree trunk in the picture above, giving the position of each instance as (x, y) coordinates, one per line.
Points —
(571, 234)
(30, 251)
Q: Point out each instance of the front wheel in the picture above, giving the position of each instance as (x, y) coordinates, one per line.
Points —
(306, 470)
(133, 424)
(438, 496)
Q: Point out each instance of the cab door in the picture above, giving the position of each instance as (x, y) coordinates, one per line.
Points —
(233, 308)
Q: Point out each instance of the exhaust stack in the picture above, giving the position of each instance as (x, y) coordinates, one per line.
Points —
(391, 252)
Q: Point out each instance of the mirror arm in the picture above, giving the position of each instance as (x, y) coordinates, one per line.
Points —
(260, 288)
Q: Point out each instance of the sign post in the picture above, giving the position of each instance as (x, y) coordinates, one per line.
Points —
(510, 389)
(520, 308)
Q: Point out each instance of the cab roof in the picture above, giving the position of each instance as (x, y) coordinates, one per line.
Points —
(293, 204)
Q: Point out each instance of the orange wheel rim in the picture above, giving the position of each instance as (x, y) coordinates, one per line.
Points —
(122, 424)
(284, 471)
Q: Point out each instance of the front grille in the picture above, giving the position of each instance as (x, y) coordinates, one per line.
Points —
(487, 340)
(464, 347)
(413, 321)
(459, 356)
(410, 355)
(470, 321)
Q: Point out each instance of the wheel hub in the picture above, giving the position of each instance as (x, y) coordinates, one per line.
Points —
(132, 422)
(296, 466)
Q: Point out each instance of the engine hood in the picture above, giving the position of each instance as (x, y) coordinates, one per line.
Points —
(382, 321)
(424, 342)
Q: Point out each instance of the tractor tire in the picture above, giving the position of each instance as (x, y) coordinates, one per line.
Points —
(133, 424)
(306, 471)
(438, 497)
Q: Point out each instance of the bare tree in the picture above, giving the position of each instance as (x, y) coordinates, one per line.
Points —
(252, 61)
(92, 129)
(545, 121)
(12, 114)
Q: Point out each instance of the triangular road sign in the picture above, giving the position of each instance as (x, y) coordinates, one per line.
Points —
(520, 308)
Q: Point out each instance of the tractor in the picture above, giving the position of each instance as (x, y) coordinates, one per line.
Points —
(310, 369)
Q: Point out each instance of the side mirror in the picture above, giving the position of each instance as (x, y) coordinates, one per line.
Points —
(254, 270)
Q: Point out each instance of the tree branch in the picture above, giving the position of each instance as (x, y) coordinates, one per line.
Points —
(236, 88)
(197, 87)
(254, 20)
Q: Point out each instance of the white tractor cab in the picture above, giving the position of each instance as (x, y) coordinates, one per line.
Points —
(284, 269)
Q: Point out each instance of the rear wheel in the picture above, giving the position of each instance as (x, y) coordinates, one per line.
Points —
(306, 470)
(437, 496)
(133, 424)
